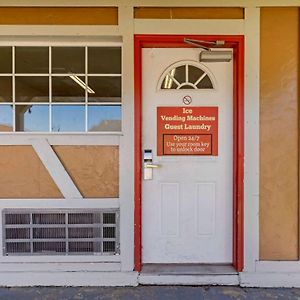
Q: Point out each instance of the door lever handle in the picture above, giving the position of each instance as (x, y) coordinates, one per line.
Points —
(152, 166)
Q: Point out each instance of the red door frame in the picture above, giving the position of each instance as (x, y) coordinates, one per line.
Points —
(236, 42)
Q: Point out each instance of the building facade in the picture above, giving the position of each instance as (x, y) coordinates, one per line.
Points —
(149, 142)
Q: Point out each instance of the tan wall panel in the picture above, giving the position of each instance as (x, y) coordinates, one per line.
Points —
(5, 128)
(188, 13)
(22, 174)
(279, 134)
(94, 169)
(59, 15)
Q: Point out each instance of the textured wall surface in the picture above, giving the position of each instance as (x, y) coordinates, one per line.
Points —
(59, 15)
(22, 174)
(188, 13)
(279, 134)
(94, 169)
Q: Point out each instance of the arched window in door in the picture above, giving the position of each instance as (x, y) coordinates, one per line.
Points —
(186, 75)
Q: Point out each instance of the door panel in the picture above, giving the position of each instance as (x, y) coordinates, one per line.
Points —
(187, 206)
(169, 209)
(205, 208)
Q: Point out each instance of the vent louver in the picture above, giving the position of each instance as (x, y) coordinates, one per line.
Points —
(63, 232)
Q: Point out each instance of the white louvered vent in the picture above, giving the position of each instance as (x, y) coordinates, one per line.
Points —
(63, 232)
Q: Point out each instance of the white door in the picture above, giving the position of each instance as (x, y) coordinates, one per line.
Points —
(187, 208)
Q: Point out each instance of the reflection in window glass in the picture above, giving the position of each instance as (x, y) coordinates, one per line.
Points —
(6, 89)
(104, 118)
(205, 83)
(61, 88)
(6, 118)
(194, 74)
(5, 59)
(169, 83)
(68, 89)
(68, 60)
(32, 59)
(68, 118)
(104, 60)
(107, 89)
(180, 74)
(32, 89)
(32, 118)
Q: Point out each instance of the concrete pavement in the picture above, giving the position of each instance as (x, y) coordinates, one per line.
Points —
(147, 293)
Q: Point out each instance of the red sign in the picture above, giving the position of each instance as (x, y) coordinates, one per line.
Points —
(187, 131)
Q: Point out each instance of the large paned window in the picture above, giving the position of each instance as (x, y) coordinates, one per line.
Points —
(60, 89)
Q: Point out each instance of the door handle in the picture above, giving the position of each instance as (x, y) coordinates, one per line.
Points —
(148, 165)
(152, 166)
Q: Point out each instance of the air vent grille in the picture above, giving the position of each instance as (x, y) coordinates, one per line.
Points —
(63, 232)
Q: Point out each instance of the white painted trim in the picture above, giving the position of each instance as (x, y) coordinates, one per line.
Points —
(251, 179)
(60, 139)
(155, 3)
(214, 3)
(278, 266)
(87, 203)
(44, 259)
(97, 278)
(59, 259)
(26, 39)
(55, 169)
(127, 142)
(155, 26)
(14, 279)
(59, 30)
(60, 3)
(61, 267)
(277, 280)
(274, 3)
(190, 3)
(188, 279)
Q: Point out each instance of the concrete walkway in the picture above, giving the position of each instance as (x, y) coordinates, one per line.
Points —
(147, 293)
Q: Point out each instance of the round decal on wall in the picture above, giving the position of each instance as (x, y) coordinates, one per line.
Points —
(187, 100)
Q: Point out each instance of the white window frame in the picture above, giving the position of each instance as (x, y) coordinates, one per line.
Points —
(69, 42)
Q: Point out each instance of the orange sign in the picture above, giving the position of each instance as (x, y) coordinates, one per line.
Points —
(187, 131)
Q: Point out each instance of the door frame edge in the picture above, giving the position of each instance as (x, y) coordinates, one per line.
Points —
(236, 42)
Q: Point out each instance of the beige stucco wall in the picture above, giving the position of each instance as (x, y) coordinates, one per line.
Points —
(23, 175)
(279, 134)
(94, 169)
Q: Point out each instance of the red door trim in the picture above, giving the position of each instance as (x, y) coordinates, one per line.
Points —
(176, 41)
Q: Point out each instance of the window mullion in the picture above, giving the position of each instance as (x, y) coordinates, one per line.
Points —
(13, 88)
(186, 73)
(50, 89)
(86, 92)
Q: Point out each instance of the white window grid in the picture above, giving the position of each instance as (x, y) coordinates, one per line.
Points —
(86, 103)
(168, 77)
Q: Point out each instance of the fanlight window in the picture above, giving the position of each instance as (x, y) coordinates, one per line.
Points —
(186, 76)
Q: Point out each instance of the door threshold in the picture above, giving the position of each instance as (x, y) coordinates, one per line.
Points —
(188, 269)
